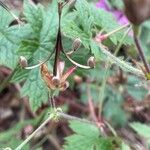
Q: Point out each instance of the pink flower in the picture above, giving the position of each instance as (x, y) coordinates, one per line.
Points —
(102, 4)
(118, 14)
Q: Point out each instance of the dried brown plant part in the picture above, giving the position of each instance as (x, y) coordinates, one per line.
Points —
(137, 11)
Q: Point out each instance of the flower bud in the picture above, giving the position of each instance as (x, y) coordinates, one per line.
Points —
(76, 44)
(137, 11)
(91, 62)
(55, 81)
(23, 62)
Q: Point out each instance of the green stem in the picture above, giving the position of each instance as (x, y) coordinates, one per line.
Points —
(69, 117)
(117, 30)
(51, 117)
(111, 129)
(121, 41)
(34, 133)
(102, 90)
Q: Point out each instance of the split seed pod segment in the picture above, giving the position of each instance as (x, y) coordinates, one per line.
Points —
(137, 11)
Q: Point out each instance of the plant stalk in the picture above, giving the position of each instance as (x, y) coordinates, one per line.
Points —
(141, 53)
(51, 117)
(117, 30)
(102, 89)
(34, 133)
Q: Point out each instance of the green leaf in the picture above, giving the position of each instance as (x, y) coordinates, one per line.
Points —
(35, 89)
(88, 137)
(83, 11)
(87, 19)
(6, 18)
(137, 92)
(72, 30)
(112, 109)
(109, 25)
(37, 47)
(125, 146)
(19, 75)
(10, 38)
(80, 25)
(94, 92)
(8, 56)
(107, 144)
(96, 51)
(82, 128)
(141, 129)
(34, 16)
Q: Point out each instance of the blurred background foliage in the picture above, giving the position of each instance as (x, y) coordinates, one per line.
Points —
(125, 96)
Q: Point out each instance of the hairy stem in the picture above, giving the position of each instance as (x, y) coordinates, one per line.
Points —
(69, 117)
(105, 36)
(34, 133)
(102, 90)
(121, 63)
(51, 117)
(117, 30)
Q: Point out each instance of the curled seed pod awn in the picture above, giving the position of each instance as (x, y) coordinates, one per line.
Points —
(23, 62)
(137, 11)
(55, 81)
(7, 148)
(76, 44)
(91, 62)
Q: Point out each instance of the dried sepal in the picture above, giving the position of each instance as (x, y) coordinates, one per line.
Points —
(46, 76)
(56, 82)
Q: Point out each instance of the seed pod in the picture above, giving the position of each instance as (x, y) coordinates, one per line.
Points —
(76, 44)
(23, 62)
(55, 81)
(137, 11)
(91, 62)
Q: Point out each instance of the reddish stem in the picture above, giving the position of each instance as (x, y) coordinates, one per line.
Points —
(141, 53)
